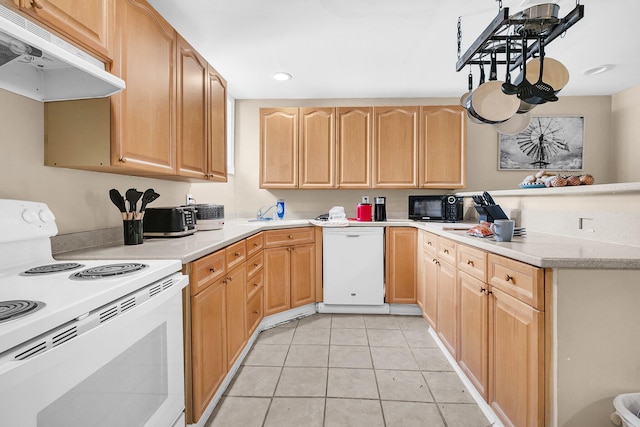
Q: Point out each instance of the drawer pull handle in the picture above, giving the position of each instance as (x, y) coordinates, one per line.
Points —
(446, 251)
(237, 254)
(470, 262)
(483, 290)
(229, 279)
(212, 270)
(255, 312)
(429, 244)
(255, 245)
(508, 278)
(435, 261)
(255, 285)
(255, 264)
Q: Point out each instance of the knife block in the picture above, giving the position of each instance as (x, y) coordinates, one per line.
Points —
(490, 213)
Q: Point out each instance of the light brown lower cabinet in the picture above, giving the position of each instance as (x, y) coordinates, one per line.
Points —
(289, 269)
(235, 313)
(401, 272)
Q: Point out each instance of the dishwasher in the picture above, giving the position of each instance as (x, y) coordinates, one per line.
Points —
(353, 266)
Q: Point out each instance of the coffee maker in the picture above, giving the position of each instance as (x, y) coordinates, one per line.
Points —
(380, 209)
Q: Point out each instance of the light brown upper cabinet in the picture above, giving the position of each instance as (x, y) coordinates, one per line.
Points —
(317, 148)
(442, 147)
(201, 115)
(216, 127)
(278, 148)
(354, 129)
(85, 23)
(191, 111)
(144, 114)
(395, 147)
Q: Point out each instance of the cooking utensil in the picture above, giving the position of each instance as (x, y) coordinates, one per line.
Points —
(149, 196)
(118, 200)
(488, 103)
(488, 198)
(508, 87)
(133, 196)
(539, 92)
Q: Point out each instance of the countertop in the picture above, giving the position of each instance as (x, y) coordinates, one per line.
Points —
(538, 249)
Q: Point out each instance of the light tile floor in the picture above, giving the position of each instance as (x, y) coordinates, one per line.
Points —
(347, 370)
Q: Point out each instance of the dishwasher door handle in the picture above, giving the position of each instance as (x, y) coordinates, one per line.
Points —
(352, 235)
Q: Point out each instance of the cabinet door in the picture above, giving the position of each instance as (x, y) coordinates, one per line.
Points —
(191, 112)
(217, 127)
(420, 271)
(474, 331)
(84, 22)
(448, 306)
(395, 147)
(431, 273)
(443, 145)
(255, 311)
(144, 114)
(516, 355)
(303, 273)
(278, 148)
(401, 265)
(277, 285)
(354, 127)
(236, 284)
(208, 345)
(317, 148)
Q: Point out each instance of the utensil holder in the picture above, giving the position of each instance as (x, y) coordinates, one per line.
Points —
(490, 213)
(132, 231)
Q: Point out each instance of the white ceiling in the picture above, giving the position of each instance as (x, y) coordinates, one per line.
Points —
(387, 48)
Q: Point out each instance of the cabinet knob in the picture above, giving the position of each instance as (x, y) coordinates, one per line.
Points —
(229, 279)
(290, 236)
(255, 285)
(483, 290)
(508, 278)
(237, 254)
(429, 244)
(212, 270)
(470, 262)
(255, 245)
(446, 251)
(36, 4)
(255, 264)
(256, 312)
(122, 159)
(435, 261)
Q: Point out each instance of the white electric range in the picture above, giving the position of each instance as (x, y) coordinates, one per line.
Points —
(87, 342)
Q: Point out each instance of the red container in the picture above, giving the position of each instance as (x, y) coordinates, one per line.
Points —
(363, 212)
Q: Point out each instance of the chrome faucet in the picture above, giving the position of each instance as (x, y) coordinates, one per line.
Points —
(260, 215)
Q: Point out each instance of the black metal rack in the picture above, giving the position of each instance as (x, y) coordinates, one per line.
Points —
(503, 27)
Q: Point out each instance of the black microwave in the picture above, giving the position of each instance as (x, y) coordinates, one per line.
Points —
(447, 208)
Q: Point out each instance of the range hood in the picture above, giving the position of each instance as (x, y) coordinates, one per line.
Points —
(39, 65)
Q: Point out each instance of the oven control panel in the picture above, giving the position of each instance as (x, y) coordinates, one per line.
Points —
(25, 220)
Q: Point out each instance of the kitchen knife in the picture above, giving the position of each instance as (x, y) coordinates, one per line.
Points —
(118, 200)
(488, 198)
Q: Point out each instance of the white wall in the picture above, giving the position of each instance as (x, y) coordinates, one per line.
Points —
(79, 199)
(625, 110)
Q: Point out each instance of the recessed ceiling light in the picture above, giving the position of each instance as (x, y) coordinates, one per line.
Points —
(597, 70)
(282, 77)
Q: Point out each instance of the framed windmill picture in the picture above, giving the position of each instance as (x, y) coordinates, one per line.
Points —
(553, 143)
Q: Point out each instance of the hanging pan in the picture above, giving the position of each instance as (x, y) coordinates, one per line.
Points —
(488, 103)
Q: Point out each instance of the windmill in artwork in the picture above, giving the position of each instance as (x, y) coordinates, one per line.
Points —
(542, 140)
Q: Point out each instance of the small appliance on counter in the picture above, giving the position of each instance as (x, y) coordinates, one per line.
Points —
(209, 216)
(170, 221)
(447, 208)
(380, 209)
(363, 210)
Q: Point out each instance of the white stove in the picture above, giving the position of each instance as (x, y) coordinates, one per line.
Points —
(52, 312)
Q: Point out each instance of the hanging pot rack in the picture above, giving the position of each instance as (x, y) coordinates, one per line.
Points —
(505, 27)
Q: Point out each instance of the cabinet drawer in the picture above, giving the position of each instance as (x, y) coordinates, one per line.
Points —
(255, 311)
(235, 254)
(255, 284)
(206, 270)
(254, 264)
(430, 243)
(472, 261)
(288, 237)
(447, 251)
(522, 281)
(255, 244)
